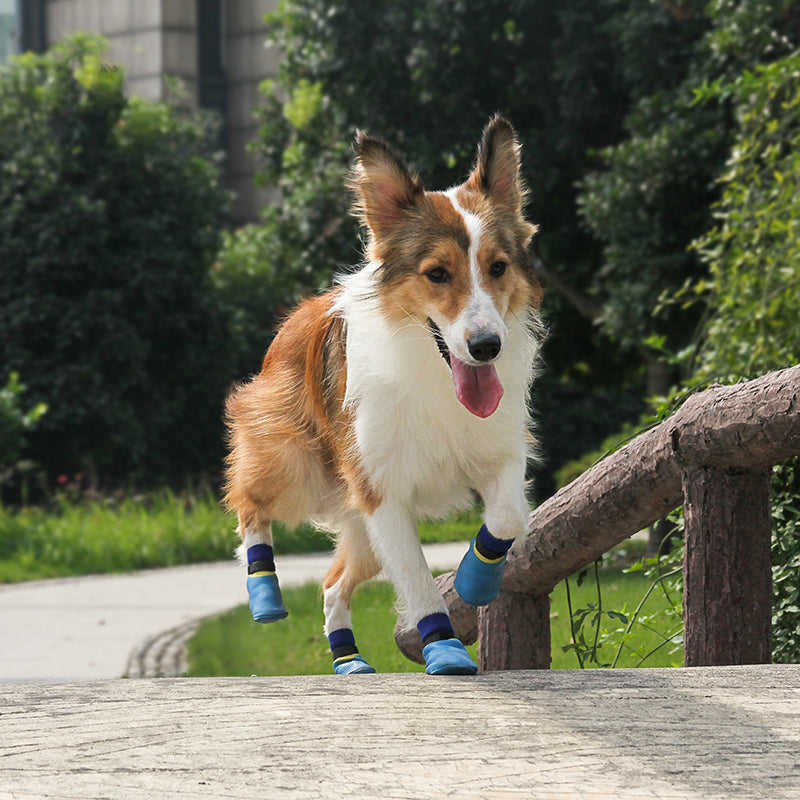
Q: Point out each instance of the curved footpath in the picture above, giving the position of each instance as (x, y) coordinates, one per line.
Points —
(135, 624)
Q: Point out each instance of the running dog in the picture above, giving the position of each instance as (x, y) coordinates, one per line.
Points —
(398, 395)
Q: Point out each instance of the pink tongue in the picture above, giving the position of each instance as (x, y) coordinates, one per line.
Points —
(478, 388)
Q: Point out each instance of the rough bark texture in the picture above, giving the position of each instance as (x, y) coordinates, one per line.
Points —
(747, 427)
(514, 632)
(727, 573)
(619, 496)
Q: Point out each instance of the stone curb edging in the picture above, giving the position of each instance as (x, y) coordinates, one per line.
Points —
(162, 655)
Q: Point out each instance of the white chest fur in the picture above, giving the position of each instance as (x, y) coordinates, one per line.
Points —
(417, 443)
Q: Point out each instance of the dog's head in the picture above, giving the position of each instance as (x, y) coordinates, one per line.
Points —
(458, 260)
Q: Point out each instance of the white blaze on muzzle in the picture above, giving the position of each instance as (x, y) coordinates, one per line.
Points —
(476, 338)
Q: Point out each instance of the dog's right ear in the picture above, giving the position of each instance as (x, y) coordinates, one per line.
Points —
(497, 169)
(383, 186)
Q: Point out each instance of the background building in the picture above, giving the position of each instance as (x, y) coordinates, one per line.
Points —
(215, 47)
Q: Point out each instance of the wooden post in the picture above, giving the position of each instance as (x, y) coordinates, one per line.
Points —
(728, 567)
(514, 633)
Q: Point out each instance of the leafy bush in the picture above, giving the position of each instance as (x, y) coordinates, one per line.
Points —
(786, 563)
(754, 249)
(110, 217)
(15, 423)
(752, 303)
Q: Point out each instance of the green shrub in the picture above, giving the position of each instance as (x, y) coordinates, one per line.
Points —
(786, 563)
(110, 218)
(15, 422)
(80, 538)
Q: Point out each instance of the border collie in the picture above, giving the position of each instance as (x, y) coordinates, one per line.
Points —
(398, 395)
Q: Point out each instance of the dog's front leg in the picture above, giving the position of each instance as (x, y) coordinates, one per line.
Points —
(505, 517)
(393, 536)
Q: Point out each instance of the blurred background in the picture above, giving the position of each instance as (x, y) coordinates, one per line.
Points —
(170, 189)
(171, 182)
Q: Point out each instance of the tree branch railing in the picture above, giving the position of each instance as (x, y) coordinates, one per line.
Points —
(714, 456)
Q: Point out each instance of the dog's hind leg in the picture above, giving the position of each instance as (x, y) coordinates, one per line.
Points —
(354, 564)
(266, 602)
(393, 535)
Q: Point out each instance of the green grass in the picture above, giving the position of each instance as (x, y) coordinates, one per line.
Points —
(78, 539)
(157, 531)
(621, 592)
(232, 644)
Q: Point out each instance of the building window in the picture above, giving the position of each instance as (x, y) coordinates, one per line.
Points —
(22, 27)
(9, 35)
(211, 89)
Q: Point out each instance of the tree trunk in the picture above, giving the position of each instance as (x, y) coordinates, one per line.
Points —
(514, 633)
(728, 568)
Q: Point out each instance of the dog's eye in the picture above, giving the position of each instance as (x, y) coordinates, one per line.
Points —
(438, 275)
(497, 269)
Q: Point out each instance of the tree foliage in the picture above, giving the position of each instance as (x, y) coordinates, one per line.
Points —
(753, 250)
(110, 217)
(15, 424)
(653, 196)
(427, 76)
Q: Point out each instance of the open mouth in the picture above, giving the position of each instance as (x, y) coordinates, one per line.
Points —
(478, 387)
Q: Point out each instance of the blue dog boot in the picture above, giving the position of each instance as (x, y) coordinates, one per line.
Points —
(448, 657)
(346, 660)
(352, 665)
(443, 653)
(480, 573)
(266, 603)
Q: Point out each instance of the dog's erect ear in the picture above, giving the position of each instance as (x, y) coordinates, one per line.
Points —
(497, 167)
(383, 186)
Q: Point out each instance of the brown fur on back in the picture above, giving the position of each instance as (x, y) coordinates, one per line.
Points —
(290, 435)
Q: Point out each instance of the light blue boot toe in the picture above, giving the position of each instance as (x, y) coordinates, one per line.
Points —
(266, 602)
(478, 581)
(448, 657)
(353, 666)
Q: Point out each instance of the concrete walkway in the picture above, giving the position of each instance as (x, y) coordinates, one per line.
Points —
(718, 733)
(107, 626)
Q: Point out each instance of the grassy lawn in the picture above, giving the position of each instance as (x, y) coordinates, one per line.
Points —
(166, 530)
(232, 644)
(160, 530)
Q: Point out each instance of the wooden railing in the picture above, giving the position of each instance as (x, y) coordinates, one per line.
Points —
(714, 456)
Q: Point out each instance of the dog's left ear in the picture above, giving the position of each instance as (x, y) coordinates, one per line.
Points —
(497, 167)
(383, 186)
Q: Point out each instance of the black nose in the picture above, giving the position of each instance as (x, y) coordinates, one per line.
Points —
(484, 346)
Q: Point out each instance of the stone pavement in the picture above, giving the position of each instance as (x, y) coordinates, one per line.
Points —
(717, 733)
(107, 626)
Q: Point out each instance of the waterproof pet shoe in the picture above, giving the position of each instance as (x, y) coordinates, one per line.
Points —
(448, 657)
(478, 579)
(352, 666)
(266, 603)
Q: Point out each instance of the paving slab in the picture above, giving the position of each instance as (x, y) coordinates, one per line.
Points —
(723, 733)
(107, 626)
